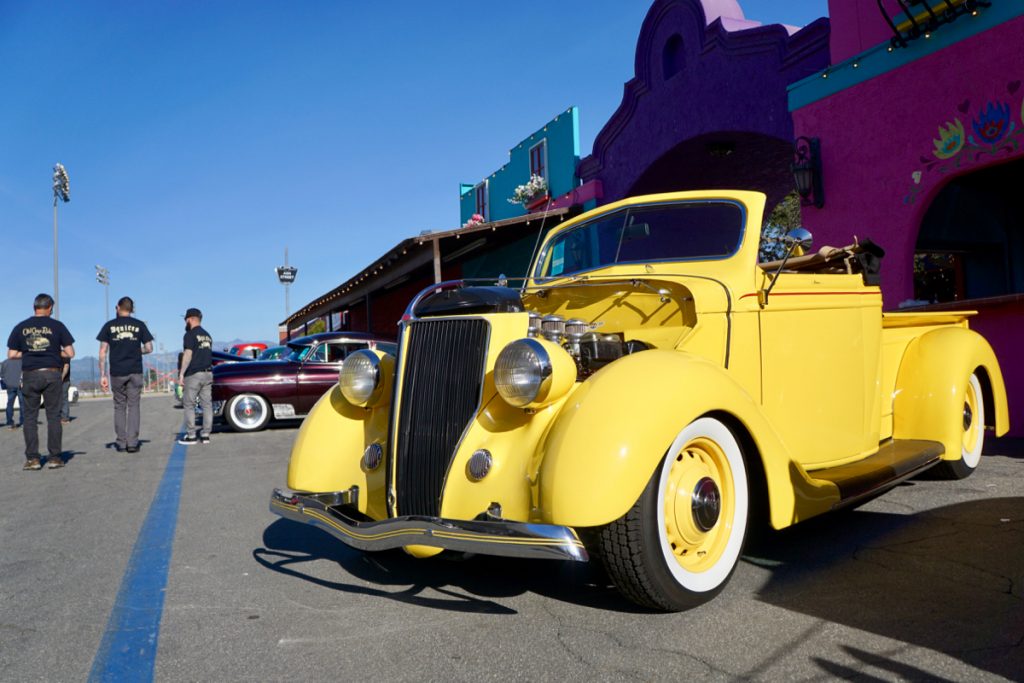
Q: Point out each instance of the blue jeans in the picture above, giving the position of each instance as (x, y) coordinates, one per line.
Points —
(65, 404)
(11, 395)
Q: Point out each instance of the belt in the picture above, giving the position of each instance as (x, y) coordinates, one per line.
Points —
(42, 370)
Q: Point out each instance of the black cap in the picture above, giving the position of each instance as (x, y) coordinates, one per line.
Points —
(193, 313)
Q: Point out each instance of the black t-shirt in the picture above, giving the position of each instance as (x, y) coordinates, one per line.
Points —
(125, 335)
(200, 343)
(40, 339)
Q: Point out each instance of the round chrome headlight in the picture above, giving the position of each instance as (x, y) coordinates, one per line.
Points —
(521, 370)
(360, 376)
(530, 373)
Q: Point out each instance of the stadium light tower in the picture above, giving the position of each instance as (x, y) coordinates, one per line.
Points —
(286, 276)
(61, 192)
(103, 277)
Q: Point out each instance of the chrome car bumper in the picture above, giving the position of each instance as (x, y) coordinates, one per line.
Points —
(332, 513)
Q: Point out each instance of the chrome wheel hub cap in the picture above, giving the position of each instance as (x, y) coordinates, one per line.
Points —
(706, 503)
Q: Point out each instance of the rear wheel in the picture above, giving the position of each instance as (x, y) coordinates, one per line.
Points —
(247, 413)
(972, 438)
(679, 544)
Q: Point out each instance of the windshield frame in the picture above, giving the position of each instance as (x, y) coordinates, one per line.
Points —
(542, 257)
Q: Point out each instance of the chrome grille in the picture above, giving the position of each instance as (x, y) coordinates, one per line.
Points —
(441, 386)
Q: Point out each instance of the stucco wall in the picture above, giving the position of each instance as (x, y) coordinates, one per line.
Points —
(880, 163)
(721, 81)
(563, 154)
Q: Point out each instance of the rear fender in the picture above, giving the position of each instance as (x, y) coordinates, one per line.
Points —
(328, 451)
(931, 384)
(615, 429)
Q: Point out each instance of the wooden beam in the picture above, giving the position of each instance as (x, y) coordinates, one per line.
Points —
(437, 259)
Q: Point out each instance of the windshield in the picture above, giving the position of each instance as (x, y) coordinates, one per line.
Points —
(697, 230)
(299, 353)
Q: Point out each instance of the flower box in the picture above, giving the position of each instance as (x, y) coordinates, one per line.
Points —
(538, 201)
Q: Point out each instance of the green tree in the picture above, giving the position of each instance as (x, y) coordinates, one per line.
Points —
(783, 218)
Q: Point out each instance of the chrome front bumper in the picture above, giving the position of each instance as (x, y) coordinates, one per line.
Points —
(332, 512)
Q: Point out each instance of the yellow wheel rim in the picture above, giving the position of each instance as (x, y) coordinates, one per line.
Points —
(699, 504)
(972, 420)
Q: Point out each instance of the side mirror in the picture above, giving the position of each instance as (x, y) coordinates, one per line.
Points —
(798, 238)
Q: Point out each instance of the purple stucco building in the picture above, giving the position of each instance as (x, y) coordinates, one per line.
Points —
(707, 105)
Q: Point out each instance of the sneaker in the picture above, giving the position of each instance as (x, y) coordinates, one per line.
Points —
(133, 449)
(187, 439)
(54, 462)
(32, 464)
(203, 438)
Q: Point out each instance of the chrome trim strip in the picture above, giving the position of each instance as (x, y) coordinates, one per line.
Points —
(332, 513)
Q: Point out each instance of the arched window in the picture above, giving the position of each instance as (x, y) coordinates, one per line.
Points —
(673, 59)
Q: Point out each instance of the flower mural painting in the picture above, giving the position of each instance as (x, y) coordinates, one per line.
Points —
(950, 141)
(995, 134)
(993, 123)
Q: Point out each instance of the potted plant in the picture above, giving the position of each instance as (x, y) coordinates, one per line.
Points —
(531, 194)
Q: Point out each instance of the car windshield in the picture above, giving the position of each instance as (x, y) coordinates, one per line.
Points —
(275, 352)
(695, 230)
(299, 353)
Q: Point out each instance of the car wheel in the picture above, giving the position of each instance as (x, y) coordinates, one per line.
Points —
(972, 439)
(247, 413)
(680, 542)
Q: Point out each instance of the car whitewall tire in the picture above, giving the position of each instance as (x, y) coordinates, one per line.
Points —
(708, 575)
(972, 439)
(247, 412)
(680, 542)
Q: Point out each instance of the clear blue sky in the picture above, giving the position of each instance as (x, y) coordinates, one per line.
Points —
(201, 138)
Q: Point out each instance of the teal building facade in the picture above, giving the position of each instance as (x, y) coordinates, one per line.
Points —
(552, 152)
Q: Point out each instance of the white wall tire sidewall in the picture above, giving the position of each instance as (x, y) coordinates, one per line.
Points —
(973, 457)
(700, 582)
(229, 412)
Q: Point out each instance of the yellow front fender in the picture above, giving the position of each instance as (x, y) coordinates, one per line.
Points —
(929, 395)
(615, 429)
(328, 450)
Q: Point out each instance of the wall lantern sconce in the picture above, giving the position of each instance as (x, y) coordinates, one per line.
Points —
(806, 168)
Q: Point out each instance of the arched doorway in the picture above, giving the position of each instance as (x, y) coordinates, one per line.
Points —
(723, 160)
(971, 241)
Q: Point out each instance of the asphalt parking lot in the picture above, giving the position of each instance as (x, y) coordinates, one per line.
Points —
(926, 582)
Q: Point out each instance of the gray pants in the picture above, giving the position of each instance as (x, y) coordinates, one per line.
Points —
(126, 390)
(198, 384)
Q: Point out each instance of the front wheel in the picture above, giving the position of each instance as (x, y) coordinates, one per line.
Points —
(680, 542)
(972, 438)
(247, 413)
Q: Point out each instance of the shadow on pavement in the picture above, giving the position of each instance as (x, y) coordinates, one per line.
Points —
(469, 582)
(949, 579)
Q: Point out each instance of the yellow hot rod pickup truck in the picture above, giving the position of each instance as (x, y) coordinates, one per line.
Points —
(648, 393)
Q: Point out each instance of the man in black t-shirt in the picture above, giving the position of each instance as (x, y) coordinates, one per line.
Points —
(42, 343)
(126, 339)
(197, 377)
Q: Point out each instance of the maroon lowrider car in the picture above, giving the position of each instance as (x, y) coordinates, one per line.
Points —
(248, 395)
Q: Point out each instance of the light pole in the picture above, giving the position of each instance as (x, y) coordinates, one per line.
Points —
(61, 191)
(286, 276)
(103, 277)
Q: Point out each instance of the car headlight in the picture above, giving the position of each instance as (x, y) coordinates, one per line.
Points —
(365, 376)
(530, 373)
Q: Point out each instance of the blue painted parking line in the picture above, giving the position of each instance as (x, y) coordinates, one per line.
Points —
(128, 649)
